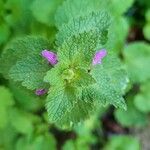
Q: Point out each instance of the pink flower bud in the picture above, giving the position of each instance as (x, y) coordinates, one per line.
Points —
(99, 56)
(40, 92)
(50, 56)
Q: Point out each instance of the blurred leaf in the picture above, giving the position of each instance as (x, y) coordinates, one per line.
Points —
(137, 60)
(117, 34)
(48, 8)
(147, 15)
(6, 101)
(40, 142)
(4, 33)
(26, 99)
(122, 143)
(19, 15)
(132, 117)
(22, 121)
(146, 31)
(142, 99)
(8, 137)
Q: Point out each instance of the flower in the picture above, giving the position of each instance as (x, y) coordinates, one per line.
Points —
(40, 92)
(99, 56)
(50, 56)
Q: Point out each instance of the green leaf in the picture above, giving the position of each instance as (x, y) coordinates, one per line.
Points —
(59, 101)
(118, 142)
(48, 8)
(146, 31)
(26, 99)
(67, 103)
(137, 60)
(6, 101)
(44, 142)
(132, 117)
(19, 49)
(142, 99)
(21, 121)
(72, 9)
(79, 39)
(94, 22)
(4, 33)
(30, 71)
(66, 75)
(117, 34)
(111, 81)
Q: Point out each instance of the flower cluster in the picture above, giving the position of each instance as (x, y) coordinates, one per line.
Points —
(51, 57)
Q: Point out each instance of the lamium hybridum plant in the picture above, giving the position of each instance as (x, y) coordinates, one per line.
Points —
(77, 74)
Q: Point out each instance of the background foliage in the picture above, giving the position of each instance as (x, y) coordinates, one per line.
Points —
(124, 31)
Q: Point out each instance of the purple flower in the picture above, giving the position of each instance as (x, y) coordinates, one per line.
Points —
(50, 56)
(99, 56)
(40, 92)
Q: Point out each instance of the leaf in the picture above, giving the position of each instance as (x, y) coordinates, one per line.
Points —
(142, 99)
(65, 102)
(21, 121)
(65, 108)
(47, 8)
(39, 142)
(146, 31)
(59, 101)
(117, 142)
(30, 71)
(72, 9)
(132, 117)
(137, 60)
(66, 75)
(4, 33)
(6, 101)
(111, 81)
(26, 99)
(94, 22)
(80, 38)
(117, 34)
(19, 49)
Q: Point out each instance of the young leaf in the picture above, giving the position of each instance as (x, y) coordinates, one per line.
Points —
(72, 9)
(79, 39)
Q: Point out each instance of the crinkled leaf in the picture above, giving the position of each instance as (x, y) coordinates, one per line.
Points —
(20, 49)
(79, 39)
(72, 9)
(30, 71)
(112, 81)
(68, 102)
